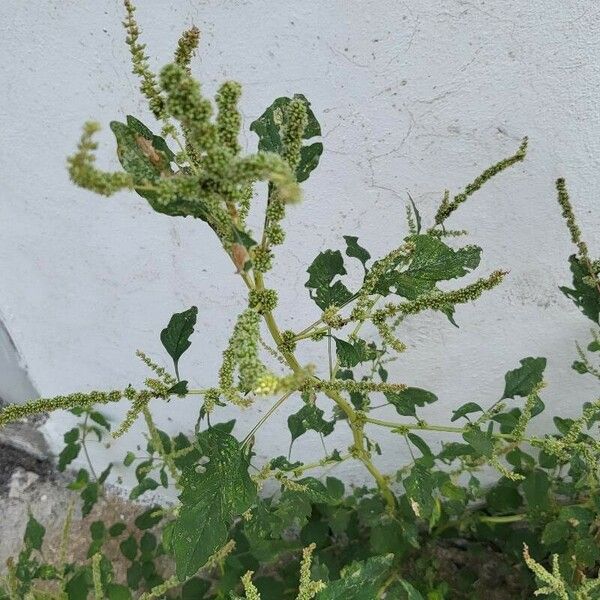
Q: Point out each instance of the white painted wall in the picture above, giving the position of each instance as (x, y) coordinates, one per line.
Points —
(413, 96)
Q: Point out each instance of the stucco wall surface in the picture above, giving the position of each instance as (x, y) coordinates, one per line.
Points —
(412, 97)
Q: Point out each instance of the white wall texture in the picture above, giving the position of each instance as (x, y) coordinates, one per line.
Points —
(412, 96)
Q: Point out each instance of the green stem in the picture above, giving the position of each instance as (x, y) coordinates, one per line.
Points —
(266, 416)
(503, 518)
(158, 445)
(321, 463)
(356, 426)
(441, 428)
(84, 446)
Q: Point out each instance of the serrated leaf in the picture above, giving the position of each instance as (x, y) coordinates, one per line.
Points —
(309, 417)
(351, 354)
(269, 126)
(211, 498)
(175, 337)
(432, 261)
(481, 441)
(464, 410)
(523, 380)
(406, 401)
(323, 270)
(360, 581)
(585, 297)
(355, 250)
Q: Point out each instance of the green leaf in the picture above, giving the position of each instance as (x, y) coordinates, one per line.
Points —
(360, 581)
(423, 447)
(454, 450)
(176, 335)
(98, 530)
(554, 532)
(129, 458)
(309, 417)
(142, 154)
(536, 487)
(211, 498)
(149, 518)
(419, 486)
(129, 548)
(323, 270)
(195, 589)
(411, 592)
(114, 591)
(269, 126)
(71, 436)
(179, 389)
(34, 534)
(416, 213)
(82, 479)
(68, 454)
(89, 495)
(282, 463)
(145, 485)
(315, 491)
(99, 418)
(351, 354)
(432, 261)
(104, 475)
(464, 410)
(117, 529)
(355, 250)
(480, 441)
(504, 498)
(79, 585)
(585, 297)
(147, 543)
(335, 487)
(523, 380)
(406, 401)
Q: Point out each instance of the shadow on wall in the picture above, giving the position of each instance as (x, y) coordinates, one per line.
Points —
(16, 387)
(15, 384)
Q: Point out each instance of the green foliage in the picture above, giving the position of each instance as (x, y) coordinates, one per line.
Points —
(377, 541)
(270, 130)
(212, 496)
(175, 337)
